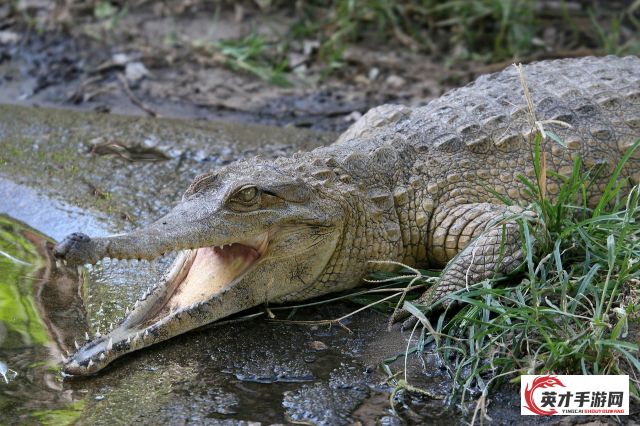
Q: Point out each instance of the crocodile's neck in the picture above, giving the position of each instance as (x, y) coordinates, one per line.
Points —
(386, 208)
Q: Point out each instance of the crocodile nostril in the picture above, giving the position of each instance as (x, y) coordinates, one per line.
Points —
(79, 236)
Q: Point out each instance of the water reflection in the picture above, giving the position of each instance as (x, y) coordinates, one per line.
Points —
(41, 313)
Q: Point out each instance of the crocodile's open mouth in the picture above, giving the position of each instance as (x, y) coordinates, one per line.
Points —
(181, 301)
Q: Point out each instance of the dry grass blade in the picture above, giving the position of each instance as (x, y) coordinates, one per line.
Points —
(535, 125)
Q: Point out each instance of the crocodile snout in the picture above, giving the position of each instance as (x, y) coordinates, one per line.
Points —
(74, 249)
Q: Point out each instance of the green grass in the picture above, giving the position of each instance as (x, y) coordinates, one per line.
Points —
(486, 30)
(253, 54)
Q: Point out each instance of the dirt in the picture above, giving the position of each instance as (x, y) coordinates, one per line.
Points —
(165, 59)
(135, 69)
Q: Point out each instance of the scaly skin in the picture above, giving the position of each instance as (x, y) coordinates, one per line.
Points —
(409, 185)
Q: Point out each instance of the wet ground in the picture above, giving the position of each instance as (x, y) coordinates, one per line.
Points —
(160, 62)
(259, 62)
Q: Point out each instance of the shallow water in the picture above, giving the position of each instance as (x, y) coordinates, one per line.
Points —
(37, 309)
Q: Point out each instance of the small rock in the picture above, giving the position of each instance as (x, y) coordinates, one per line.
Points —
(361, 79)
(395, 81)
(121, 59)
(353, 116)
(296, 59)
(317, 345)
(9, 37)
(309, 358)
(135, 71)
(310, 46)
(373, 73)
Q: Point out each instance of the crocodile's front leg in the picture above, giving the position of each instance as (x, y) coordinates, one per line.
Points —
(479, 241)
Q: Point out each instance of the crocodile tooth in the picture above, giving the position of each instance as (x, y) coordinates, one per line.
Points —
(98, 335)
(129, 340)
(135, 305)
(102, 356)
(86, 336)
(90, 363)
(74, 364)
(136, 341)
(145, 335)
(64, 359)
(110, 344)
(126, 311)
(76, 345)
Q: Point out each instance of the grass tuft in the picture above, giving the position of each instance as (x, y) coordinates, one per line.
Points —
(575, 308)
(250, 54)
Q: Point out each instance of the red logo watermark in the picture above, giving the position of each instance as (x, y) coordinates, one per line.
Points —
(551, 395)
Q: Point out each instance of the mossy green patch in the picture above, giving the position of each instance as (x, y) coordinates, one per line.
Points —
(61, 416)
(18, 261)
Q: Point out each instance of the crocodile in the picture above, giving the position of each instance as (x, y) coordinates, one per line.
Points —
(417, 186)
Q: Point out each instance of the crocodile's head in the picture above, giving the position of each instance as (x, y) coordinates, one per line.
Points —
(246, 235)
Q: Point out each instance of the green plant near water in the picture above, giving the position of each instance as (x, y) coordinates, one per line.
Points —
(489, 30)
(250, 54)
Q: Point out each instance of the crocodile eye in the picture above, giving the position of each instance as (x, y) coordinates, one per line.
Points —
(247, 194)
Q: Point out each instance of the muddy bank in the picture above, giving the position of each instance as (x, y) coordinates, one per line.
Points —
(154, 60)
(126, 169)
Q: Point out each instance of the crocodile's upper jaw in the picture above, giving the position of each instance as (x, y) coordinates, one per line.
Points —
(183, 300)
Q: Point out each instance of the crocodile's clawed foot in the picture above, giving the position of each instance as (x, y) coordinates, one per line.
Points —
(75, 249)
(404, 318)
(408, 320)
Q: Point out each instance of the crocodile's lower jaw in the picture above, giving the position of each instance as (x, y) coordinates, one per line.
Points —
(196, 277)
(206, 271)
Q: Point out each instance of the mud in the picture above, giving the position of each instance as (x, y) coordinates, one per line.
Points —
(180, 74)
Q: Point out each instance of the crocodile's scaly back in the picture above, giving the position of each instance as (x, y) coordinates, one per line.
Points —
(489, 120)
(412, 185)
